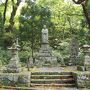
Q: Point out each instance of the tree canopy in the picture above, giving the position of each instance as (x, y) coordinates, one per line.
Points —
(25, 19)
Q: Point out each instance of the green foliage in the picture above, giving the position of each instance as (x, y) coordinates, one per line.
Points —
(25, 53)
(32, 19)
(8, 38)
(63, 20)
(4, 56)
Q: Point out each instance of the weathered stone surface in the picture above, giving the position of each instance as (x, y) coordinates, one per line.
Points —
(74, 49)
(45, 56)
(87, 60)
(14, 65)
(87, 57)
(15, 78)
(87, 63)
(25, 79)
(82, 79)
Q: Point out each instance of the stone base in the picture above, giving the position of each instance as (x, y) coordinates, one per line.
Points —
(46, 61)
(11, 79)
(45, 56)
(82, 79)
(13, 70)
(14, 66)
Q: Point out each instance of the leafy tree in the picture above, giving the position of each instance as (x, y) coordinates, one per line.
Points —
(32, 19)
(85, 5)
(8, 23)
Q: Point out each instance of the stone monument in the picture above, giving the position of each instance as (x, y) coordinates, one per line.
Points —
(86, 49)
(74, 49)
(14, 64)
(44, 35)
(45, 56)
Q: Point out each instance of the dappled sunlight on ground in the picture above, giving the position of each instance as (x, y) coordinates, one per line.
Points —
(58, 88)
(53, 69)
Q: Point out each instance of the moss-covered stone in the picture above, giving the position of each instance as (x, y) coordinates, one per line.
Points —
(15, 79)
(82, 79)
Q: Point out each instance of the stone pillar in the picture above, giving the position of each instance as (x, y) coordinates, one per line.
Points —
(14, 65)
(74, 49)
(86, 49)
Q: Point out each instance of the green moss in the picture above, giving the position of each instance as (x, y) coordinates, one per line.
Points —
(82, 78)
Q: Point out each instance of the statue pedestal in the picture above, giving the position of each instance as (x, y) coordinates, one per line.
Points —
(14, 65)
(45, 56)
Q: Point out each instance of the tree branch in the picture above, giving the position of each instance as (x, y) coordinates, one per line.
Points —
(78, 2)
(86, 14)
(15, 6)
(11, 21)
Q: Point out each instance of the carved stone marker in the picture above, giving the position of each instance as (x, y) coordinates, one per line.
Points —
(74, 49)
(14, 64)
(87, 57)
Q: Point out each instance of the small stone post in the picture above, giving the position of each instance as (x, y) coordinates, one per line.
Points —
(86, 49)
(74, 49)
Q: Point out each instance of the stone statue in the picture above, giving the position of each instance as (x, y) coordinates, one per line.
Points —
(44, 35)
(45, 56)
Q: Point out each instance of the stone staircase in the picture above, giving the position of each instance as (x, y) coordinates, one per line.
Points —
(52, 79)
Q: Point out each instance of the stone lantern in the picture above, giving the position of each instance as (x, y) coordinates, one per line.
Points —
(86, 49)
(14, 65)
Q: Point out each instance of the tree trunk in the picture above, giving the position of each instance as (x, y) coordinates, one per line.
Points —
(86, 15)
(11, 21)
(85, 11)
(4, 14)
(79, 1)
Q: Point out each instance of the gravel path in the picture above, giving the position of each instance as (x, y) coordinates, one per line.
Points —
(55, 69)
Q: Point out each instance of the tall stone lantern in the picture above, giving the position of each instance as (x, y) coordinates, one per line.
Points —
(86, 49)
(14, 65)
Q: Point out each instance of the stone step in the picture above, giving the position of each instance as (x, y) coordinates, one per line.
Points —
(56, 81)
(52, 85)
(19, 88)
(51, 76)
(51, 73)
